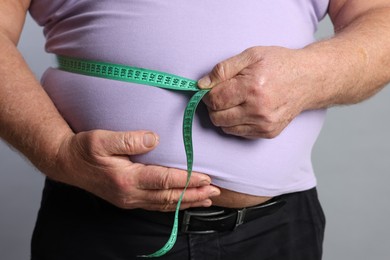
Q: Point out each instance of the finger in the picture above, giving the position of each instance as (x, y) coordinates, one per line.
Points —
(205, 203)
(128, 143)
(229, 117)
(172, 196)
(239, 130)
(251, 131)
(228, 94)
(227, 69)
(172, 207)
(156, 177)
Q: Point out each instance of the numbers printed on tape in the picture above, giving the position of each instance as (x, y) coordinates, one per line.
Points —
(126, 73)
(151, 78)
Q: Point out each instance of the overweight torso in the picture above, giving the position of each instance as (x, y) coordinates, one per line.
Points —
(186, 38)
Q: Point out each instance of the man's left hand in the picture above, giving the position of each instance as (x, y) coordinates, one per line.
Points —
(257, 93)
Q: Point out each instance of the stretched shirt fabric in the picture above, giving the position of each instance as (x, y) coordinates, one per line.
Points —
(186, 38)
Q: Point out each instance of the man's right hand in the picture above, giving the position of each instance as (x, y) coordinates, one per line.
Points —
(98, 161)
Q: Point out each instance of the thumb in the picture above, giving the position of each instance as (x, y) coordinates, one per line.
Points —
(226, 69)
(130, 143)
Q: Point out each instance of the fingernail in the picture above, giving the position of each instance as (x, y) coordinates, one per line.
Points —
(207, 203)
(214, 192)
(204, 182)
(204, 82)
(149, 140)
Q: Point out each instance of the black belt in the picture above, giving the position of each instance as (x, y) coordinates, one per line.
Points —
(192, 220)
(218, 219)
(204, 220)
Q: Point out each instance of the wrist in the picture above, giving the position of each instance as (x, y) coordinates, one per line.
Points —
(58, 159)
(334, 68)
(46, 157)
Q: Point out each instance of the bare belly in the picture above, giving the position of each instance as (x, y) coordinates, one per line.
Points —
(232, 199)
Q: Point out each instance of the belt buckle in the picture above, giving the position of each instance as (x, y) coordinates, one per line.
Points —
(242, 216)
(188, 214)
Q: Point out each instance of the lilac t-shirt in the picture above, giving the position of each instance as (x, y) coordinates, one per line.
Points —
(186, 38)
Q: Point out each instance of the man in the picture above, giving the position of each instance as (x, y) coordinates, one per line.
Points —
(269, 94)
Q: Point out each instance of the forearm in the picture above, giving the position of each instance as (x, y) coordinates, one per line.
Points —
(354, 64)
(28, 119)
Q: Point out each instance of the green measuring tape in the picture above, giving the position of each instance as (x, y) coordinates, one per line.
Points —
(151, 78)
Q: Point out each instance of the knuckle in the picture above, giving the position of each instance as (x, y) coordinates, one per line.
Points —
(231, 117)
(165, 179)
(227, 130)
(201, 195)
(272, 120)
(168, 197)
(251, 50)
(232, 130)
(258, 85)
(167, 208)
(214, 101)
(122, 198)
(270, 135)
(119, 186)
(214, 119)
(256, 88)
(253, 54)
(219, 71)
(130, 142)
(92, 141)
(267, 128)
(213, 104)
(88, 147)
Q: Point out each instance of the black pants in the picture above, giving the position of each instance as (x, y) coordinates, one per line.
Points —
(73, 224)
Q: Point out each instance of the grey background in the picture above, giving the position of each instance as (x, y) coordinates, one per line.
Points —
(351, 159)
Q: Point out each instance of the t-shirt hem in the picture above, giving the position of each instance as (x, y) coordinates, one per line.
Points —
(266, 191)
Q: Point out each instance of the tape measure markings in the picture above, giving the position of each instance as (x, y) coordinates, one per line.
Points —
(127, 74)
